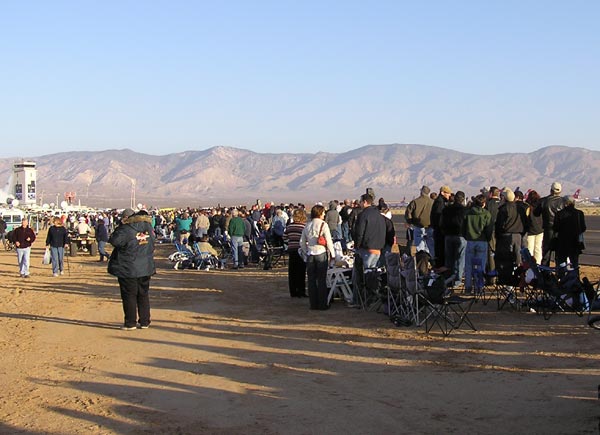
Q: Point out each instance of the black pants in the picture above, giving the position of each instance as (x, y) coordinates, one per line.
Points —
(439, 247)
(296, 275)
(134, 294)
(316, 270)
(547, 246)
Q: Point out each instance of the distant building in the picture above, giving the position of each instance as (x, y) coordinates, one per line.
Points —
(24, 180)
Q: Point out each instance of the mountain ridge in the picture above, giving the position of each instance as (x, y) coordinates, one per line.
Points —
(232, 175)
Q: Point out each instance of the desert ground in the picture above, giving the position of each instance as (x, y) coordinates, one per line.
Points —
(229, 352)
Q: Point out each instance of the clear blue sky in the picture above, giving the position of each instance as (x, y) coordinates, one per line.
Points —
(272, 76)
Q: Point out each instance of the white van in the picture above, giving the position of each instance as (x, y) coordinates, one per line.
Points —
(12, 217)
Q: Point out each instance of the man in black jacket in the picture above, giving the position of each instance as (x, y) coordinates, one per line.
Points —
(368, 234)
(436, 213)
(132, 262)
(549, 206)
(450, 225)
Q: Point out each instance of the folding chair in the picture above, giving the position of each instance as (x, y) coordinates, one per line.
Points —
(400, 307)
(447, 312)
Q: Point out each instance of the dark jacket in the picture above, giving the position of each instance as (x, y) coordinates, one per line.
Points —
(535, 224)
(492, 206)
(21, 234)
(511, 219)
(452, 219)
(133, 253)
(569, 223)
(549, 206)
(57, 237)
(436, 211)
(369, 229)
(102, 232)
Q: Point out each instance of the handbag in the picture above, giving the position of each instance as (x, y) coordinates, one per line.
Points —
(321, 240)
(46, 259)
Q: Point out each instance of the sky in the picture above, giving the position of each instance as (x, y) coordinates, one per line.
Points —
(159, 77)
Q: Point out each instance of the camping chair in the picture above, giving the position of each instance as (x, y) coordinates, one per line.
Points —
(372, 295)
(561, 290)
(593, 296)
(400, 307)
(446, 311)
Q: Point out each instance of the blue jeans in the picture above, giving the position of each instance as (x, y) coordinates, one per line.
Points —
(363, 259)
(57, 255)
(236, 250)
(102, 249)
(455, 247)
(423, 240)
(23, 259)
(346, 232)
(475, 249)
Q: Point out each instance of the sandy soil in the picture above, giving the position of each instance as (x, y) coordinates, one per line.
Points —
(229, 352)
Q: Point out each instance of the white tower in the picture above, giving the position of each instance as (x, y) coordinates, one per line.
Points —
(24, 180)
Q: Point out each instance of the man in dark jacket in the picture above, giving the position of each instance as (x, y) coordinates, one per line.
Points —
(368, 234)
(436, 213)
(455, 245)
(132, 262)
(509, 229)
(569, 226)
(549, 206)
(102, 238)
(23, 238)
(492, 205)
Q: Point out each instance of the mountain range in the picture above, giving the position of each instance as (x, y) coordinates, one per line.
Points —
(231, 175)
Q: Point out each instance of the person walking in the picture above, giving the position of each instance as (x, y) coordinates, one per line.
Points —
(23, 238)
(132, 262)
(57, 240)
(102, 239)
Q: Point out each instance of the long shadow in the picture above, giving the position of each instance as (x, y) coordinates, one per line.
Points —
(75, 322)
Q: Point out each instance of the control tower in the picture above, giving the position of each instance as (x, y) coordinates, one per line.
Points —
(24, 179)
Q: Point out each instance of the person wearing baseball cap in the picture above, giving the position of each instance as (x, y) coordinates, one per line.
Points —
(548, 208)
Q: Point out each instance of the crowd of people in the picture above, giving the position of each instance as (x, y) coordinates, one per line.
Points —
(445, 229)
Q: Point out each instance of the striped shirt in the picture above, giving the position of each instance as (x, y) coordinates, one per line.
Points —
(293, 232)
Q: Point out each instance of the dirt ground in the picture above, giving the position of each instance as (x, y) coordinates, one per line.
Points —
(229, 352)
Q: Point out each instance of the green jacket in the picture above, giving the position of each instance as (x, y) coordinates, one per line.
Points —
(477, 225)
(236, 227)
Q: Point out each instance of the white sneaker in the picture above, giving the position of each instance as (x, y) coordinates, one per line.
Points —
(55, 274)
(61, 272)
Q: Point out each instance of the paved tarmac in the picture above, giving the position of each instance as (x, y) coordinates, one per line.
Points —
(590, 257)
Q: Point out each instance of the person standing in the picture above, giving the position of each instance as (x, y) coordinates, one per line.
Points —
(236, 230)
(23, 238)
(296, 265)
(132, 262)
(3, 231)
(535, 226)
(369, 234)
(57, 240)
(477, 229)
(569, 226)
(316, 266)
(417, 216)
(102, 238)
(548, 207)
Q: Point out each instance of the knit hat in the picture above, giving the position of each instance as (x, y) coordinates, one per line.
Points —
(556, 187)
(459, 197)
(509, 195)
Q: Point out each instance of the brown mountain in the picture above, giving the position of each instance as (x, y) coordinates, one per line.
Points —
(231, 175)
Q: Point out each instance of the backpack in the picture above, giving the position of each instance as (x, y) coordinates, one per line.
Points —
(278, 228)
